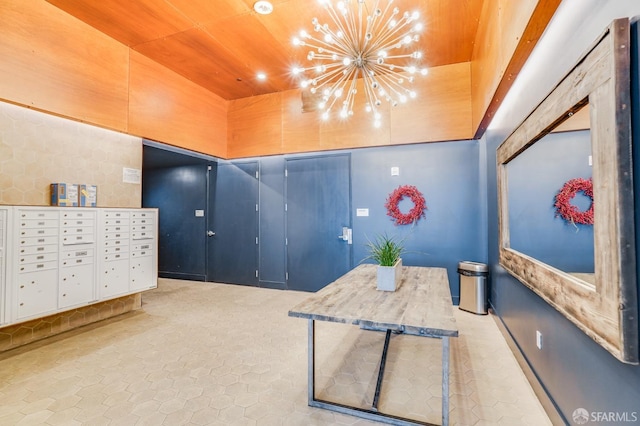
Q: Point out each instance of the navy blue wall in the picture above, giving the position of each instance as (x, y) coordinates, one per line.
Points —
(574, 370)
(448, 175)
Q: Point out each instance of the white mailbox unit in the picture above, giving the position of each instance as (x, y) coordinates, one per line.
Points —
(114, 266)
(35, 280)
(54, 259)
(4, 223)
(78, 258)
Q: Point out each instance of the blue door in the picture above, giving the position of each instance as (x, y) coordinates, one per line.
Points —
(318, 204)
(232, 248)
(179, 192)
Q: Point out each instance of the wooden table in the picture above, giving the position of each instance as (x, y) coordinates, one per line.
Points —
(421, 306)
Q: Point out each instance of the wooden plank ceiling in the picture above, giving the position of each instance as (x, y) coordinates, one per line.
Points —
(221, 45)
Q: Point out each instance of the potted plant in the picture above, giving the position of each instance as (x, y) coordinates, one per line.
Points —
(386, 252)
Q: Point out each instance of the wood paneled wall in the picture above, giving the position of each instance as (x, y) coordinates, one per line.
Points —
(508, 32)
(275, 123)
(165, 107)
(55, 63)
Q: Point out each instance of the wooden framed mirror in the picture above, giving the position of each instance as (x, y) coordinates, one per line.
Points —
(582, 130)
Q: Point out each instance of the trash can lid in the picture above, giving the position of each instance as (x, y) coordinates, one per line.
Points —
(473, 266)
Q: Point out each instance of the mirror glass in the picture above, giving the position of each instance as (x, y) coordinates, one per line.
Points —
(535, 177)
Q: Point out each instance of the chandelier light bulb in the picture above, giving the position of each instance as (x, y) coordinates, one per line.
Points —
(355, 43)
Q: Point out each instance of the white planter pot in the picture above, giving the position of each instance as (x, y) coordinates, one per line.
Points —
(389, 276)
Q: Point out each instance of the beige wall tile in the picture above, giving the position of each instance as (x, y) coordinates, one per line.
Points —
(37, 149)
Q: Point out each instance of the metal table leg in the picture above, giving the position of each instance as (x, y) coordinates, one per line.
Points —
(311, 376)
(383, 362)
(445, 381)
(374, 414)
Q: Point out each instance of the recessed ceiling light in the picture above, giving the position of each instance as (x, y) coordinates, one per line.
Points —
(261, 76)
(263, 7)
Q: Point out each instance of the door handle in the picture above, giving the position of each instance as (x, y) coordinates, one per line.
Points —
(210, 233)
(347, 235)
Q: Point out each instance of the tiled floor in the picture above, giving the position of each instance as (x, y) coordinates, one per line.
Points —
(210, 354)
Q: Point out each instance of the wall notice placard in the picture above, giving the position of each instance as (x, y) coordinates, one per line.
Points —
(131, 175)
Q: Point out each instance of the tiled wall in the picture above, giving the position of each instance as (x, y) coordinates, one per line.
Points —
(21, 334)
(37, 149)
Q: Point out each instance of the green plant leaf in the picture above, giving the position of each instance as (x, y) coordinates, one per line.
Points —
(385, 250)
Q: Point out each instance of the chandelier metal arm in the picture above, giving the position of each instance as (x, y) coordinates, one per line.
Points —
(351, 95)
(349, 37)
(334, 94)
(324, 78)
(394, 87)
(354, 29)
(373, 101)
(324, 47)
(379, 18)
(393, 36)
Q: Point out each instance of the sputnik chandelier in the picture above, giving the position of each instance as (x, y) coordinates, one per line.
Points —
(372, 45)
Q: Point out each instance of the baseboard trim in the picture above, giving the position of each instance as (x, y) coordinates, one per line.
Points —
(545, 400)
(181, 276)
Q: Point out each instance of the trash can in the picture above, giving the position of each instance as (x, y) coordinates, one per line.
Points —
(473, 287)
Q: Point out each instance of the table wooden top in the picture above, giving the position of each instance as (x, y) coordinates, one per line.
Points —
(421, 305)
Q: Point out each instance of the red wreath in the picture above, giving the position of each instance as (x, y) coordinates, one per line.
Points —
(414, 214)
(568, 211)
